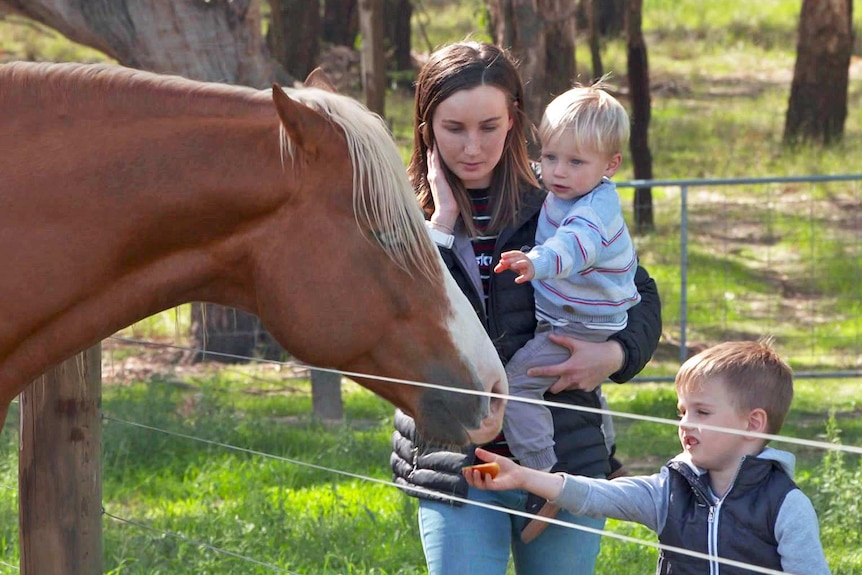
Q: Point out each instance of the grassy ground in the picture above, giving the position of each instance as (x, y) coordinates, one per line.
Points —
(721, 73)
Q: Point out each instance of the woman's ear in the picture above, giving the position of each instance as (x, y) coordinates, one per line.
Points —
(425, 132)
(513, 111)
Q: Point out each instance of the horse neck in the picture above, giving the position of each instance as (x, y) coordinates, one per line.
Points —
(147, 210)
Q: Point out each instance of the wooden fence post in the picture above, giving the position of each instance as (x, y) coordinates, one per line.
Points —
(59, 469)
(326, 399)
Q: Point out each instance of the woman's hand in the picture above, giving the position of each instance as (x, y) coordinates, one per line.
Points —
(445, 208)
(588, 366)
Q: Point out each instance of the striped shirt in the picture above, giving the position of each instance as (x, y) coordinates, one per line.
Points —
(584, 260)
(483, 244)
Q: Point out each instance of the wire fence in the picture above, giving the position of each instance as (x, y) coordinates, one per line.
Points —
(824, 445)
(602, 532)
(745, 257)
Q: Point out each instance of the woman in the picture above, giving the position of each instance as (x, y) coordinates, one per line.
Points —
(473, 178)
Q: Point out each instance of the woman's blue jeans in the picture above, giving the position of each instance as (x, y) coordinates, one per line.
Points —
(476, 540)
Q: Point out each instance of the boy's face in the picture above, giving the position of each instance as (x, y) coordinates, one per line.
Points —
(712, 450)
(569, 172)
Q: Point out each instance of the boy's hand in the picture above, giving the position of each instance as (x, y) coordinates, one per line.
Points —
(519, 263)
(506, 477)
(513, 476)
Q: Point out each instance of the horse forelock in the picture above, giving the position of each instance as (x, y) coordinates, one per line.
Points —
(383, 199)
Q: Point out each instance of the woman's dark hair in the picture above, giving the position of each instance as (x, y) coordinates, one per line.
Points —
(464, 66)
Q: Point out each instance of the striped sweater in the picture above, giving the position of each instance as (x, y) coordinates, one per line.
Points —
(584, 259)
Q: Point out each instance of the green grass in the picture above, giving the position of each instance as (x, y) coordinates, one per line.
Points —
(22, 39)
(437, 22)
(284, 508)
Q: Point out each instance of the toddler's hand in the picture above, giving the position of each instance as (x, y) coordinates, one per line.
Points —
(519, 263)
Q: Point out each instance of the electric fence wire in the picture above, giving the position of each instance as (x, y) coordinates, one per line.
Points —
(601, 532)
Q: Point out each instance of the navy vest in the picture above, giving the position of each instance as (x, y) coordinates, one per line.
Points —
(742, 525)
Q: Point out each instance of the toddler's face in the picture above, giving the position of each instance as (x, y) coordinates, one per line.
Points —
(569, 172)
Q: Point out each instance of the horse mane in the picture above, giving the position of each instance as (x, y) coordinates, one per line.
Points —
(383, 199)
(90, 89)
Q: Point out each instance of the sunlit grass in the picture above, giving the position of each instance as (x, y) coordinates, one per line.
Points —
(436, 22)
(173, 324)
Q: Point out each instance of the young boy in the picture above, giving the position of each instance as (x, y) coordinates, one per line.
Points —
(727, 494)
(582, 267)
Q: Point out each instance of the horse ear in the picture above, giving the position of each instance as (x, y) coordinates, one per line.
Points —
(318, 79)
(304, 126)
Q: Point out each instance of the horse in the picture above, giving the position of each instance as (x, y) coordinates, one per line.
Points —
(124, 193)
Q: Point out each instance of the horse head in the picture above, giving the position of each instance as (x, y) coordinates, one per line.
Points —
(290, 204)
(380, 303)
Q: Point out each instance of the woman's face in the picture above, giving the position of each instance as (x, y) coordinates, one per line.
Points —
(470, 129)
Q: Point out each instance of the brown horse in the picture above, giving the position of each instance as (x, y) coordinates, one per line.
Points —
(124, 193)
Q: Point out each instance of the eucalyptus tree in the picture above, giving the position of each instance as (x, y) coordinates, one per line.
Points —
(209, 40)
(817, 109)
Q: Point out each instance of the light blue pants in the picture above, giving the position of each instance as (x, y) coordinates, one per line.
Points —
(476, 540)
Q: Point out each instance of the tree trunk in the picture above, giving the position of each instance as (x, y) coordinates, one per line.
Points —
(326, 402)
(166, 37)
(610, 17)
(638, 72)
(594, 39)
(373, 58)
(818, 95)
(293, 34)
(397, 15)
(560, 62)
(341, 22)
(518, 26)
